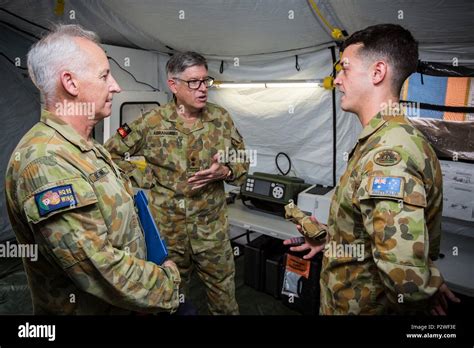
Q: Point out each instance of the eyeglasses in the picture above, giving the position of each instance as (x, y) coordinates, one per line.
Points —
(196, 84)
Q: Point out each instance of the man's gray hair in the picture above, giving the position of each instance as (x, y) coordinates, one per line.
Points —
(55, 52)
(181, 61)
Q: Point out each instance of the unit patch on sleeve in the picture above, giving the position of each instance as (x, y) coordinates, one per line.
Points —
(387, 186)
(124, 130)
(387, 157)
(55, 198)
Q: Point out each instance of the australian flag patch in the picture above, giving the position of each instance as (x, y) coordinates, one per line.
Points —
(387, 186)
(54, 199)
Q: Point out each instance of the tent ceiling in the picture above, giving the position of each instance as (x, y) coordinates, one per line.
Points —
(236, 28)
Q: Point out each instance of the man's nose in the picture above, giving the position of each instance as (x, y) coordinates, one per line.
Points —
(114, 86)
(203, 86)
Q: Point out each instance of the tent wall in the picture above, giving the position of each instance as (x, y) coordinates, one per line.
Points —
(20, 110)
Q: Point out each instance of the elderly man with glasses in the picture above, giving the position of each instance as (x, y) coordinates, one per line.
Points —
(182, 142)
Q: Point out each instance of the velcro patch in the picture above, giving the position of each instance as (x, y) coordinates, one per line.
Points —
(54, 199)
(98, 174)
(124, 130)
(165, 132)
(387, 186)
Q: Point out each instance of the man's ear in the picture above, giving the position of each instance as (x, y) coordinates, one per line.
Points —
(69, 83)
(172, 86)
(379, 72)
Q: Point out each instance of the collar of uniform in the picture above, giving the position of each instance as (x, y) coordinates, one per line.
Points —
(69, 133)
(169, 112)
(375, 123)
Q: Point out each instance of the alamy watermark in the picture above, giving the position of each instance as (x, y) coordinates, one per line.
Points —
(75, 109)
(410, 109)
(338, 250)
(238, 156)
(37, 331)
(29, 251)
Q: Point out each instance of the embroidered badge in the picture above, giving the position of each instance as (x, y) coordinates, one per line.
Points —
(387, 157)
(98, 174)
(54, 199)
(124, 130)
(387, 186)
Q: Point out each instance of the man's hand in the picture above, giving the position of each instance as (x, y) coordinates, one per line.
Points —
(313, 246)
(170, 264)
(217, 171)
(440, 300)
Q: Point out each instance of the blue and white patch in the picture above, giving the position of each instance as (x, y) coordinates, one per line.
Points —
(388, 186)
(54, 199)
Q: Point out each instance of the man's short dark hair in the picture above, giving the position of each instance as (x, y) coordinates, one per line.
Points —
(392, 42)
(183, 60)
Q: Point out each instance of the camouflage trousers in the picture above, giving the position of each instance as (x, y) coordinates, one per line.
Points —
(216, 269)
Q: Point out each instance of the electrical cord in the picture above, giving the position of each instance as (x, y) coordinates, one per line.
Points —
(336, 33)
(289, 163)
(128, 72)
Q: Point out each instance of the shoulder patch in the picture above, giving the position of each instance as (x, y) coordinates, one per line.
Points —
(124, 130)
(387, 157)
(387, 186)
(55, 198)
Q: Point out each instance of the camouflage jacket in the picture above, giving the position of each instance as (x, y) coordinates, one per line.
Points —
(174, 152)
(384, 224)
(66, 195)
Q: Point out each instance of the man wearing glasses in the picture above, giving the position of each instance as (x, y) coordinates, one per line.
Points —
(181, 142)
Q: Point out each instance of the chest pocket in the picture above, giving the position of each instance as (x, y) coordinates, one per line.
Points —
(164, 149)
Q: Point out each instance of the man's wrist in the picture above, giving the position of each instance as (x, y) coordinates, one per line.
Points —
(230, 174)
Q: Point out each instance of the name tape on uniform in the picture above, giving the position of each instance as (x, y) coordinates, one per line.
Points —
(165, 132)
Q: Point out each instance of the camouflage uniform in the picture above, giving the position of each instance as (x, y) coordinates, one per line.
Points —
(389, 200)
(193, 222)
(67, 196)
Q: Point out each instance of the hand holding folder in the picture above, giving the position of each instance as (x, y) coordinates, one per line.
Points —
(156, 248)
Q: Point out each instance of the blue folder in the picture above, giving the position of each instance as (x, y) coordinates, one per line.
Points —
(156, 247)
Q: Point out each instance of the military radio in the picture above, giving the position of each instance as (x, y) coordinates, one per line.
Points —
(271, 192)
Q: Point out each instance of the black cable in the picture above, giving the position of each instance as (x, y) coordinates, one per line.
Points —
(297, 65)
(128, 72)
(334, 120)
(289, 162)
(435, 107)
(11, 61)
(20, 30)
(24, 19)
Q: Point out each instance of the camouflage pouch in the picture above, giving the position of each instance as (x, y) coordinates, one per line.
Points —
(310, 229)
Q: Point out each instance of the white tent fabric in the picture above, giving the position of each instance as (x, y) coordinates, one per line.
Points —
(255, 27)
